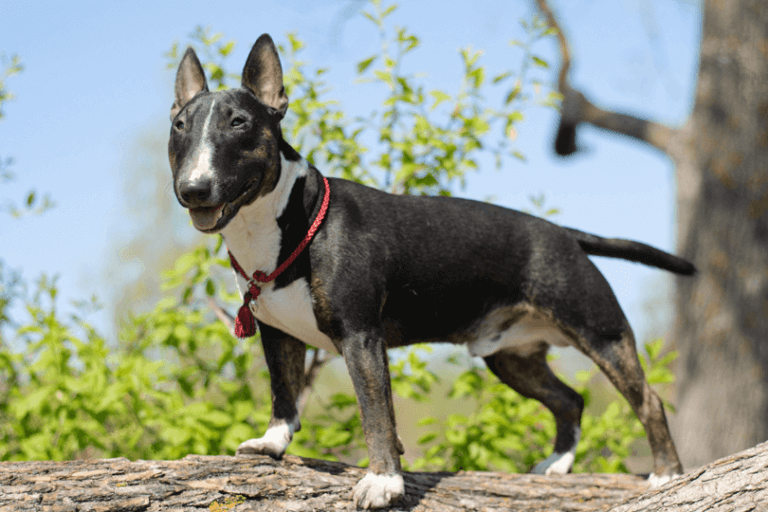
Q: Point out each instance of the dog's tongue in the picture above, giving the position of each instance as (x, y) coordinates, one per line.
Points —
(205, 218)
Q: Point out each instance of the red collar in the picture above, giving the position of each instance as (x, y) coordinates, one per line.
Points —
(245, 324)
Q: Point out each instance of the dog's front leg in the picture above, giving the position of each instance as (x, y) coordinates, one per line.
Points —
(285, 360)
(366, 356)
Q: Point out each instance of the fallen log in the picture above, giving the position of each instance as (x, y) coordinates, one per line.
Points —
(258, 483)
(738, 482)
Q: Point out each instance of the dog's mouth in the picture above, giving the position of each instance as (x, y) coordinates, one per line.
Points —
(211, 219)
(205, 219)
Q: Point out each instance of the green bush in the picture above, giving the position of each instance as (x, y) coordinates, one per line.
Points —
(508, 432)
(177, 383)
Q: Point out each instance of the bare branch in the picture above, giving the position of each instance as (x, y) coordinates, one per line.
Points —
(650, 132)
(576, 108)
(565, 51)
(319, 359)
(222, 315)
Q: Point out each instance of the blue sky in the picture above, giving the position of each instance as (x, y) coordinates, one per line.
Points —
(96, 81)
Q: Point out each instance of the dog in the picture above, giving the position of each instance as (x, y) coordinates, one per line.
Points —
(356, 271)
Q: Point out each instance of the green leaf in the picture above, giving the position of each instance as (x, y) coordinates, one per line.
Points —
(175, 435)
(439, 97)
(235, 435)
(383, 76)
(182, 332)
(427, 438)
(342, 400)
(185, 262)
(365, 64)
(389, 10)
(217, 73)
(478, 77)
(333, 438)
(539, 62)
(370, 17)
(653, 348)
(227, 49)
(217, 418)
(426, 420)
(32, 402)
(502, 76)
(512, 95)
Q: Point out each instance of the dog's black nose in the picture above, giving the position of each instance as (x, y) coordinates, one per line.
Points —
(196, 192)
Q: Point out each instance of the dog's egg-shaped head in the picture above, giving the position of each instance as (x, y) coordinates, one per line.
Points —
(224, 145)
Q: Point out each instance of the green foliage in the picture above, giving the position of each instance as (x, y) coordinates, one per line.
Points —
(177, 384)
(316, 125)
(430, 139)
(337, 432)
(410, 376)
(508, 432)
(176, 381)
(12, 66)
(213, 53)
(32, 204)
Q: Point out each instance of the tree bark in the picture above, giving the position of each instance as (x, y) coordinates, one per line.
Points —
(721, 327)
(258, 483)
(737, 482)
(721, 162)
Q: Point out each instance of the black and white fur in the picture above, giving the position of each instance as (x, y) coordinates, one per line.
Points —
(386, 271)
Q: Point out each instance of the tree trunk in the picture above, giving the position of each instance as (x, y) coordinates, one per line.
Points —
(258, 483)
(721, 161)
(721, 328)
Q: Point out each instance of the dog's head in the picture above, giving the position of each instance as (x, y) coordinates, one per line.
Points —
(223, 146)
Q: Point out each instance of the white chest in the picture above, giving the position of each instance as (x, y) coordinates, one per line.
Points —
(290, 310)
(253, 236)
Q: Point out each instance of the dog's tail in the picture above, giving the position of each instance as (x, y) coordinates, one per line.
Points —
(632, 251)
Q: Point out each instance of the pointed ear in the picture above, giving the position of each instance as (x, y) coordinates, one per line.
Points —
(190, 80)
(263, 75)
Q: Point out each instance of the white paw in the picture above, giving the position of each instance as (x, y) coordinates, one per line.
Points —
(273, 443)
(559, 463)
(555, 464)
(657, 481)
(378, 491)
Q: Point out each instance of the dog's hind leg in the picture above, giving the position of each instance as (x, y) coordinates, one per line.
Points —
(285, 360)
(525, 370)
(618, 360)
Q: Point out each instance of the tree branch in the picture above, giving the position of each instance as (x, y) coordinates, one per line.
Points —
(258, 483)
(565, 51)
(319, 359)
(222, 315)
(576, 108)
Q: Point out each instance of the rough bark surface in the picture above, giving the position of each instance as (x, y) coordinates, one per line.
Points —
(722, 322)
(734, 483)
(258, 483)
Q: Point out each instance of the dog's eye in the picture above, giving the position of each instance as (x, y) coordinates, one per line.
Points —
(237, 122)
(179, 125)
